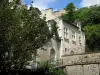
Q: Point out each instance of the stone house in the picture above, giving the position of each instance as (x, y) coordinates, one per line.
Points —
(72, 38)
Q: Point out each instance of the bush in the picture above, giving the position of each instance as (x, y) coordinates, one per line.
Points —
(45, 68)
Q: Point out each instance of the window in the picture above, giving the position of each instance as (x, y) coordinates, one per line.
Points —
(73, 36)
(80, 40)
(66, 33)
(65, 50)
(52, 55)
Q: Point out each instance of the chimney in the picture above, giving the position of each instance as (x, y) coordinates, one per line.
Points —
(79, 25)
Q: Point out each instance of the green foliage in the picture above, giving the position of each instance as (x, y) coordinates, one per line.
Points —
(53, 30)
(93, 37)
(94, 15)
(82, 15)
(70, 8)
(45, 68)
(22, 33)
(89, 15)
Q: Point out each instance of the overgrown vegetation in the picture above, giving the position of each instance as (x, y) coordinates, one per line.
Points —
(44, 68)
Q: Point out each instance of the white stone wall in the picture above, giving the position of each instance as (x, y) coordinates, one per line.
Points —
(75, 70)
(75, 47)
(91, 69)
(81, 59)
(87, 64)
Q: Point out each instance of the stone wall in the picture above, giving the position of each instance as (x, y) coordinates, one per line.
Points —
(90, 69)
(81, 59)
(85, 64)
(50, 14)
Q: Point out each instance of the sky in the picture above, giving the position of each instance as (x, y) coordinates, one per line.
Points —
(60, 4)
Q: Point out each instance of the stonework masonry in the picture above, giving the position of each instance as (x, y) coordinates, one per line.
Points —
(81, 59)
(90, 69)
(50, 14)
(87, 64)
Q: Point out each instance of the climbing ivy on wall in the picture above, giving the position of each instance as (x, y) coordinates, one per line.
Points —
(54, 29)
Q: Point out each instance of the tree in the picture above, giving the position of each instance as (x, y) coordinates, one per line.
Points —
(93, 37)
(94, 15)
(22, 33)
(82, 15)
(70, 8)
(88, 15)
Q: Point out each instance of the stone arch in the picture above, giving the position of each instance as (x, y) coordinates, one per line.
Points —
(52, 55)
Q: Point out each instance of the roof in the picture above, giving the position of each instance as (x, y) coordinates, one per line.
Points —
(74, 25)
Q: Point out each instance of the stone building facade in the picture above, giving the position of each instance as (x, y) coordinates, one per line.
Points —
(69, 53)
(72, 38)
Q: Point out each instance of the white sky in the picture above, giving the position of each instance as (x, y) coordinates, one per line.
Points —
(85, 3)
(42, 4)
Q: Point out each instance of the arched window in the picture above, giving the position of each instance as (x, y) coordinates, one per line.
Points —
(52, 55)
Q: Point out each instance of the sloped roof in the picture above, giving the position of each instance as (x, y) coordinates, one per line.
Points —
(73, 24)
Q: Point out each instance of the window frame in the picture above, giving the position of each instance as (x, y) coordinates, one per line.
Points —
(66, 33)
(80, 41)
(73, 36)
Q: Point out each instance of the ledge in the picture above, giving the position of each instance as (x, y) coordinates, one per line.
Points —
(81, 59)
